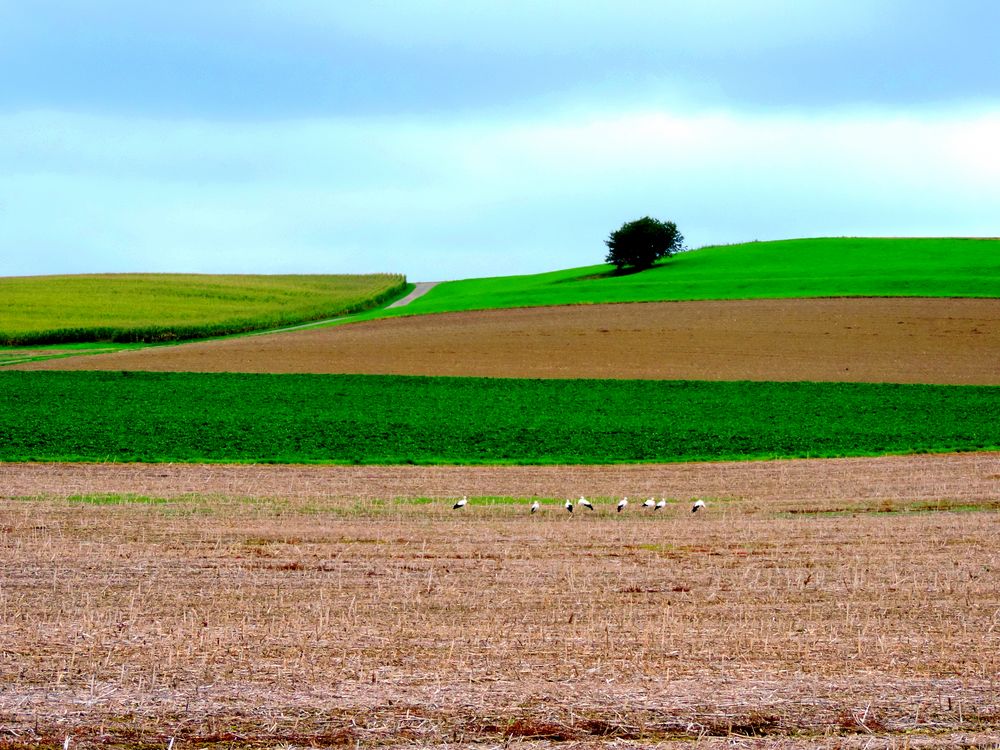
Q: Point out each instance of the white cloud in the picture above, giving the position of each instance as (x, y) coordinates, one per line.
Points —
(440, 199)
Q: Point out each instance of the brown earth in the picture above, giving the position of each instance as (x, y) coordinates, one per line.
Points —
(826, 603)
(906, 340)
(959, 477)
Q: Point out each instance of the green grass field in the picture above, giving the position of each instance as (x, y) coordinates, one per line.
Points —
(834, 267)
(38, 310)
(14, 355)
(93, 416)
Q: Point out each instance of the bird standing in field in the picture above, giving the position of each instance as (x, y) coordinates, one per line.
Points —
(661, 504)
(649, 503)
(460, 504)
(621, 504)
(585, 503)
(569, 505)
(698, 505)
(535, 506)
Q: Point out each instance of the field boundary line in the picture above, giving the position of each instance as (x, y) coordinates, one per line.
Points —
(289, 328)
(420, 289)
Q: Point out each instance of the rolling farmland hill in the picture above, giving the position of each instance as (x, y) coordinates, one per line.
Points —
(919, 340)
(902, 340)
(216, 599)
(828, 267)
(745, 311)
(164, 307)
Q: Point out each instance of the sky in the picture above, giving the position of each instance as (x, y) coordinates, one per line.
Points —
(457, 139)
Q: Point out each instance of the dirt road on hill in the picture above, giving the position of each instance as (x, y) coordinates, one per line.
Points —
(903, 340)
(420, 288)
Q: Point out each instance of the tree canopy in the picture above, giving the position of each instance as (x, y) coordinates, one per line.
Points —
(639, 244)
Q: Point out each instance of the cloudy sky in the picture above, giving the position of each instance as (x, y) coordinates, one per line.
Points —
(447, 139)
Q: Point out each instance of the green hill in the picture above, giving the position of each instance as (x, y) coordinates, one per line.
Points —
(164, 307)
(831, 267)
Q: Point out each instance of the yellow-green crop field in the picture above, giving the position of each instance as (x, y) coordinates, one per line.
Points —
(165, 307)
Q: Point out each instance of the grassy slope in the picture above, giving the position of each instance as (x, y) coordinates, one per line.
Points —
(788, 268)
(95, 416)
(13, 355)
(137, 307)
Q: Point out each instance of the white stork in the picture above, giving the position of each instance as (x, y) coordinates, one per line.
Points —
(698, 505)
(535, 506)
(569, 505)
(649, 503)
(621, 504)
(661, 504)
(586, 503)
(460, 504)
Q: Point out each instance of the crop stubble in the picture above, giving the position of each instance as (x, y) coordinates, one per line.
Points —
(971, 477)
(812, 605)
(905, 340)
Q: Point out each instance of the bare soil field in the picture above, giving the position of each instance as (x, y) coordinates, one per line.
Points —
(901, 340)
(849, 603)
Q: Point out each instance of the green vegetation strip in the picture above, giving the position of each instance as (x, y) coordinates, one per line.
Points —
(15, 355)
(831, 267)
(39, 310)
(230, 417)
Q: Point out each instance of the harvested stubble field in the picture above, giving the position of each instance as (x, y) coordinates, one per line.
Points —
(855, 340)
(354, 607)
(959, 477)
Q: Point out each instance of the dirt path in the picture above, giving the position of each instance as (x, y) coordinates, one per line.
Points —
(299, 327)
(857, 340)
(420, 288)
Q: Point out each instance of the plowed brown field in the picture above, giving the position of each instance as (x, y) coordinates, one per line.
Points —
(865, 340)
(814, 604)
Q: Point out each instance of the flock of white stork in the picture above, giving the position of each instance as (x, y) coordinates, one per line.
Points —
(622, 504)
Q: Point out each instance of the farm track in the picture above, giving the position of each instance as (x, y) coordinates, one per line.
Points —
(814, 604)
(420, 288)
(902, 340)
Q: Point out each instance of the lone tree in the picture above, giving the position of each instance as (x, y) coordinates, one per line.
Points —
(640, 243)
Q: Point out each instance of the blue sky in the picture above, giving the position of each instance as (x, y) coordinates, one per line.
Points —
(454, 139)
